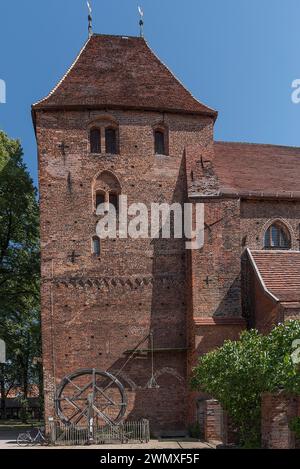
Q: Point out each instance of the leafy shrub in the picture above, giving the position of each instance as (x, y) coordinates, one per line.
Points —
(239, 372)
(195, 431)
(295, 426)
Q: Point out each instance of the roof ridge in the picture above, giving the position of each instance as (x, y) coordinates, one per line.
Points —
(223, 142)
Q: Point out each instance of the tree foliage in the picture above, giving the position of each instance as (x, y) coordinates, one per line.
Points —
(239, 372)
(19, 259)
(19, 269)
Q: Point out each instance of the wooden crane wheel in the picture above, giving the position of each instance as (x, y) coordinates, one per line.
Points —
(90, 395)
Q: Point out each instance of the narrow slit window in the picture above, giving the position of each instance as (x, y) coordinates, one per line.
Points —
(111, 141)
(159, 137)
(114, 200)
(95, 141)
(96, 246)
(100, 199)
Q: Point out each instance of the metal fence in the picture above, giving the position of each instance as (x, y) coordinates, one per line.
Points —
(127, 432)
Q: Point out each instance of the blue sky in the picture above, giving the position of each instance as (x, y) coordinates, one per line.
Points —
(237, 56)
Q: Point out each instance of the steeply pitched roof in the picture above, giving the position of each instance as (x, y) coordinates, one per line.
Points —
(245, 170)
(268, 170)
(279, 272)
(121, 72)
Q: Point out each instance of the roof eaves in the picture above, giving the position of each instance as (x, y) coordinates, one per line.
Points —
(38, 104)
(250, 195)
(42, 106)
(63, 78)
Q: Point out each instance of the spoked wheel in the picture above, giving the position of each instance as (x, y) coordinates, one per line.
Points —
(24, 439)
(90, 395)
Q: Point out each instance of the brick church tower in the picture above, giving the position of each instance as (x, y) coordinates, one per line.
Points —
(119, 122)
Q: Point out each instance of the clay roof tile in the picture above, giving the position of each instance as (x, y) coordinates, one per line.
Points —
(258, 169)
(121, 72)
(280, 272)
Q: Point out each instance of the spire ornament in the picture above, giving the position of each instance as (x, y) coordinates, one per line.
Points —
(141, 23)
(90, 19)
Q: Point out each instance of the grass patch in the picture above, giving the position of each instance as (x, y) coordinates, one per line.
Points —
(18, 424)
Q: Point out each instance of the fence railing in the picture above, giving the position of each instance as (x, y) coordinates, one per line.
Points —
(70, 435)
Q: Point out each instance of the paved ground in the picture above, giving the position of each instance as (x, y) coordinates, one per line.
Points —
(8, 441)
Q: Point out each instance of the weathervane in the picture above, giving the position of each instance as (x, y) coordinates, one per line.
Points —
(90, 19)
(141, 21)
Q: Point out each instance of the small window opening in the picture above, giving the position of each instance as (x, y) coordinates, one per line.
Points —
(160, 142)
(96, 246)
(100, 199)
(111, 141)
(114, 200)
(95, 141)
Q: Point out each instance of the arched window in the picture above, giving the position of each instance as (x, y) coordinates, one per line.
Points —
(277, 236)
(96, 245)
(95, 140)
(111, 141)
(104, 135)
(161, 141)
(106, 189)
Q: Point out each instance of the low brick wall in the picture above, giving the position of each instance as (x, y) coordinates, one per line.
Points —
(277, 411)
(214, 421)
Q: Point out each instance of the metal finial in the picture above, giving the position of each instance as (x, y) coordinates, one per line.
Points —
(141, 21)
(90, 19)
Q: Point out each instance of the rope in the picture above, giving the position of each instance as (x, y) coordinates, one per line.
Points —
(152, 383)
(132, 354)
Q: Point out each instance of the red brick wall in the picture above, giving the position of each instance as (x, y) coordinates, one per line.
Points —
(215, 290)
(257, 215)
(277, 411)
(214, 422)
(207, 337)
(290, 311)
(265, 309)
(216, 267)
(95, 309)
(262, 311)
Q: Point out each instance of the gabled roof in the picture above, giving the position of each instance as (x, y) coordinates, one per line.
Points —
(266, 170)
(121, 72)
(245, 170)
(279, 273)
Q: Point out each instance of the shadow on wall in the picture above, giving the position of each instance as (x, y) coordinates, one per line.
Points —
(230, 304)
(164, 405)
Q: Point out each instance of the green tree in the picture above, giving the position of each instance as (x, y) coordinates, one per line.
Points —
(239, 372)
(282, 371)
(19, 269)
(19, 234)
